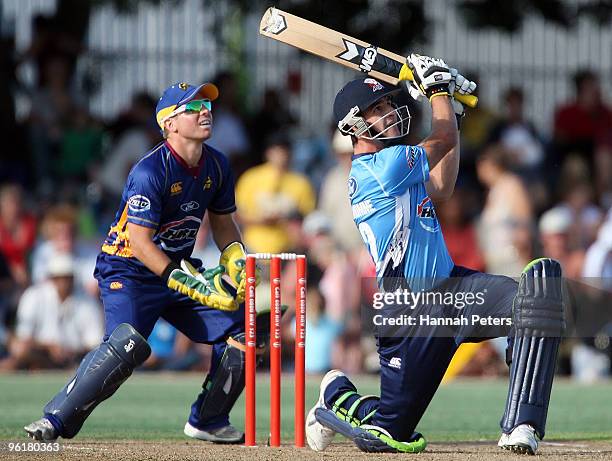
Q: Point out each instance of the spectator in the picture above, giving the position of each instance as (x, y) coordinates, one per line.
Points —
(518, 136)
(459, 233)
(52, 109)
(586, 216)
(268, 196)
(322, 331)
(340, 287)
(475, 128)
(272, 117)
(506, 220)
(334, 201)
(80, 147)
(555, 226)
(56, 326)
(581, 125)
(137, 131)
(17, 232)
(59, 235)
(598, 259)
(229, 134)
(7, 293)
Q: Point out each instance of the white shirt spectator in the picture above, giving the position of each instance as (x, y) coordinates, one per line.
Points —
(598, 261)
(75, 324)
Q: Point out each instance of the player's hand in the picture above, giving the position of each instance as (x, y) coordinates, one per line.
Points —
(233, 259)
(460, 84)
(204, 287)
(431, 76)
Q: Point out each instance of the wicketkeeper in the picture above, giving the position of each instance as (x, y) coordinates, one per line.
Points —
(145, 271)
(391, 187)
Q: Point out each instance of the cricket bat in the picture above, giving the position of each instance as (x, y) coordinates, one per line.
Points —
(340, 48)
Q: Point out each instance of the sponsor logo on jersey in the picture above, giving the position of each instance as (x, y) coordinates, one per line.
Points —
(412, 153)
(207, 183)
(362, 208)
(139, 203)
(180, 230)
(374, 85)
(187, 207)
(352, 186)
(176, 188)
(427, 213)
(116, 285)
(183, 86)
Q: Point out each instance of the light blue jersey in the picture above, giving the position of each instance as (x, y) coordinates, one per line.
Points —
(396, 217)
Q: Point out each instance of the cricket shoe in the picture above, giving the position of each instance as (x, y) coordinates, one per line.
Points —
(226, 434)
(318, 436)
(521, 440)
(42, 430)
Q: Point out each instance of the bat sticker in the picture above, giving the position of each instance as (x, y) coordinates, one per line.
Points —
(276, 23)
(358, 54)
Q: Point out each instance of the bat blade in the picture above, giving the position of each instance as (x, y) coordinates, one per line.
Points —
(337, 47)
(330, 44)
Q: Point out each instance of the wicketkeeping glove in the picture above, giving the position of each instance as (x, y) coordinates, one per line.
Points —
(233, 259)
(204, 287)
(431, 75)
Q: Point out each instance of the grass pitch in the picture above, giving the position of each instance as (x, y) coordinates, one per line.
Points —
(155, 407)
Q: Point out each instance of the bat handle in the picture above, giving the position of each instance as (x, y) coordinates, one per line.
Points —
(468, 99)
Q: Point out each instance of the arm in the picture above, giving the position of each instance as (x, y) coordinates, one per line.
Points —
(224, 229)
(204, 288)
(443, 177)
(141, 242)
(442, 149)
(442, 146)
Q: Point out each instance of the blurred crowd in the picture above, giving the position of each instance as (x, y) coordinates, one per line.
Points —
(521, 194)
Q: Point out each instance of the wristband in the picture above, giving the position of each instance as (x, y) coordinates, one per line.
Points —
(438, 93)
(168, 270)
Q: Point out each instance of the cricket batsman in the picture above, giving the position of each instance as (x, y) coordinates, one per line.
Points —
(145, 272)
(391, 187)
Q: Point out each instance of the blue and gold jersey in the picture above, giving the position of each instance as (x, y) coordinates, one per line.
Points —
(396, 217)
(165, 194)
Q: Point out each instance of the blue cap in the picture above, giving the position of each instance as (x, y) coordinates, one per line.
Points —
(361, 92)
(181, 93)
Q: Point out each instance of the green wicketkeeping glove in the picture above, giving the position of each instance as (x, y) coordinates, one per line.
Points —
(204, 287)
(233, 259)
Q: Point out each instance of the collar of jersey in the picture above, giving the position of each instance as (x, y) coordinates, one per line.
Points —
(192, 170)
(356, 156)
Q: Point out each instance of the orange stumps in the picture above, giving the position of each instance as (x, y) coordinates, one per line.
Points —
(300, 344)
(275, 350)
(250, 330)
(250, 315)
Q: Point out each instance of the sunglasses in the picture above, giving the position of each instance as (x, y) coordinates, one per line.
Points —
(193, 106)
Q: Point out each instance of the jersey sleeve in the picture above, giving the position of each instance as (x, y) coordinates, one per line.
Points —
(400, 167)
(143, 195)
(224, 201)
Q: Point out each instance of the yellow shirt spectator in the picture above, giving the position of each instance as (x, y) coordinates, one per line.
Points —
(266, 196)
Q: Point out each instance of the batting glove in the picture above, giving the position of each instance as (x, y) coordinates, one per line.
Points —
(431, 75)
(460, 84)
(204, 287)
